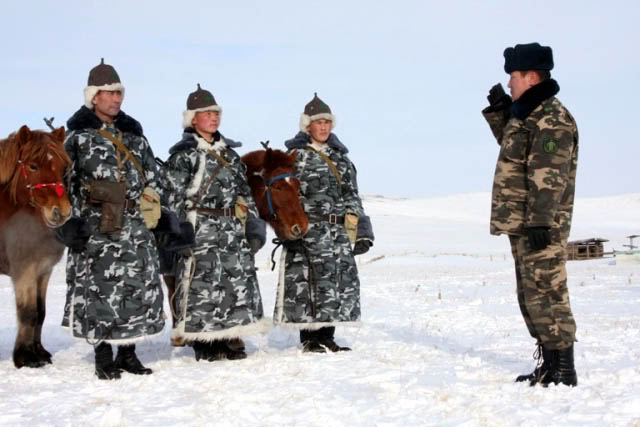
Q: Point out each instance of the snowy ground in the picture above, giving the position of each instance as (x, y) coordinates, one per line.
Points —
(441, 342)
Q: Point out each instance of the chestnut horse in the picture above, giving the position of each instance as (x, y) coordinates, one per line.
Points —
(275, 190)
(32, 203)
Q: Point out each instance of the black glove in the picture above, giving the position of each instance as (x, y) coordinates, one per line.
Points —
(168, 223)
(255, 245)
(362, 246)
(539, 237)
(498, 99)
(74, 234)
(183, 241)
(294, 245)
(256, 232)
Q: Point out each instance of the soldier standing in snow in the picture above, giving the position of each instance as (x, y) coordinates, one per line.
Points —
(532, 202)
(217, 291)
(319, 286)
(114, 294)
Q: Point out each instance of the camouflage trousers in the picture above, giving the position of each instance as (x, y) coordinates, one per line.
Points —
(543, 295)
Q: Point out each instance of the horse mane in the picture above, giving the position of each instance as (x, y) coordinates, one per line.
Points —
(29, 146)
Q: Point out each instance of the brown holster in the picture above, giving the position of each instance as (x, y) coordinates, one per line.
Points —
(111, 196)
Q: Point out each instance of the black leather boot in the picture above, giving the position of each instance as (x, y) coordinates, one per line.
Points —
(562, 370)
(311, 341)
(543, 365)
(105, 368)
(200, 348)
(127, 360)
(326, 339)
(231, 353)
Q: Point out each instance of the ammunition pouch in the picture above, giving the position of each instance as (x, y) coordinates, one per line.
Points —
(111, 196)
(351, 226)
(150, 207)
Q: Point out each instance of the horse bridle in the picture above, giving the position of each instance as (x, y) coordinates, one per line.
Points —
(267, 184)
(58, 185)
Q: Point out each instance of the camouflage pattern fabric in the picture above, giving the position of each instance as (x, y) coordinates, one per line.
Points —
(114, 292)
(217, 287)
(543, 296)
(319, 285)
(534, 185)
(534, 182)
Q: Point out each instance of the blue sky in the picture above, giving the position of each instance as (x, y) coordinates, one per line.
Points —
(407, 79)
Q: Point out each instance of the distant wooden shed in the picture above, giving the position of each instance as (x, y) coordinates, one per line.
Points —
(579, 250)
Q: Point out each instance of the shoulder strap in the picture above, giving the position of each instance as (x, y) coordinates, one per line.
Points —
(120, 146)
(334, 169)
(224, 162)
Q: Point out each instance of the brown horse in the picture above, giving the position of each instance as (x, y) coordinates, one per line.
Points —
(32, 203)
(275, 190)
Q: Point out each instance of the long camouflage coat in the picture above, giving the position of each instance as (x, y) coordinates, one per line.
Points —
(319, 286)
(534, 181)
(217, 287)
(114, 291)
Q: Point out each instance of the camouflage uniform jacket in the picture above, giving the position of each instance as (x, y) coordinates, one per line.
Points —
(535, 174)
(217, 287)
(319, 286)
(114, 291)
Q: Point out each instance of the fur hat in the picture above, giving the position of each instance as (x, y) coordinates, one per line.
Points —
(316, 109)
(525, 57)
(200, 100)
(101, 77)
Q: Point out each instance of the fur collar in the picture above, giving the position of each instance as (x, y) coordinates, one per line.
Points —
(190, 139)
(301, 140)
(533, 97)
(85, 118)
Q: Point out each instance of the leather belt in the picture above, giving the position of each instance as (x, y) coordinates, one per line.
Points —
(217, 212)
(330, 218)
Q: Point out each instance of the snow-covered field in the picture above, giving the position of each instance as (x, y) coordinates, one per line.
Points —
(440, 344)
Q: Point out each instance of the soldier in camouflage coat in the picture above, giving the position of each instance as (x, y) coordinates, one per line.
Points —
(319, 286)
(114, 293)
(217, 291)
(532, 201)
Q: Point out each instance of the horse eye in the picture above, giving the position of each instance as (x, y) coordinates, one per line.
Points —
(33, 167)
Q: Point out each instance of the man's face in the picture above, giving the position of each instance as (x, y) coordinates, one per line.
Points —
(320, 130)
(206, 122)
(107, 103)
(519, 83)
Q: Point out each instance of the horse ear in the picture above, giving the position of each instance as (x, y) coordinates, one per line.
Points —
(9, 156)
(58, 134)
(24, 134)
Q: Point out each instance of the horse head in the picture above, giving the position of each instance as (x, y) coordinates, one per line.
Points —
(32, 166)
(275, 189)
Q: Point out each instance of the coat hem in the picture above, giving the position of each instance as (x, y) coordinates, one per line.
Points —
(255, 328)
(124, 341)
